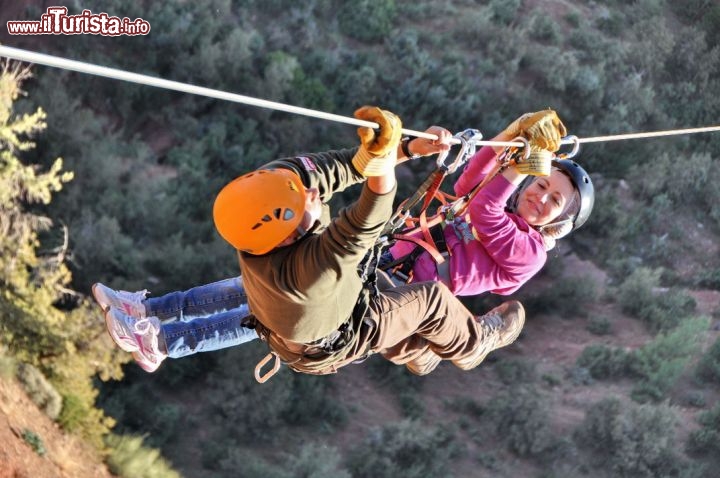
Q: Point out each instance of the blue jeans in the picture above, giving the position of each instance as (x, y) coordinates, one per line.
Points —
(204, 318)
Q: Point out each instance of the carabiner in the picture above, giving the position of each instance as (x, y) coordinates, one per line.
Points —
(575, 150)
(271, 372)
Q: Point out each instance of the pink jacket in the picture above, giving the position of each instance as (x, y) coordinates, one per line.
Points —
(508, 253)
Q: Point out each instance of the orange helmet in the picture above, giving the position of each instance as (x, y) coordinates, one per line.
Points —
(259, 210)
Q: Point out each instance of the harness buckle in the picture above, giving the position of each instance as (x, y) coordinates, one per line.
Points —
(271, 372)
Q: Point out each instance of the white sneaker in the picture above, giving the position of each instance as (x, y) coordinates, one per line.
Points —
(139, 336)
(129, 302)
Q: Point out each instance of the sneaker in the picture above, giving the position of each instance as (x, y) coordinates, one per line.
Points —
(129, 302)
(425, 363)
(139, 336)
(501, 326)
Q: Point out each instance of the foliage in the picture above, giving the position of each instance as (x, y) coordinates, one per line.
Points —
(407, 448)
(604, 362)
(660, 362)
(406, 386)
(708, 367)
(640, 295)
(599, 325)
(35, 442)
(707, 438)
(522, 420)
(566, 298)
(40, 391)
(63, 343)
(130, 458)
(634, 441)
(367, 19)
(516, 371)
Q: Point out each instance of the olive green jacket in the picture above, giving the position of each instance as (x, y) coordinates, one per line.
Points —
(305, 291)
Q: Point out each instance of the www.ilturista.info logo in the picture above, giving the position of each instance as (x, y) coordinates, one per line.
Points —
(57, 22)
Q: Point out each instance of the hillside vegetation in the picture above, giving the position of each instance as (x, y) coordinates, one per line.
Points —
(618, 370)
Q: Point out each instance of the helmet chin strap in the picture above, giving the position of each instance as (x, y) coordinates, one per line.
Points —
(554, 224)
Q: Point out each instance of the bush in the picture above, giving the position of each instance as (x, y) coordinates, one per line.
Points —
(599, 325)
(661, 362)
(634, 442)
(408, 449)
(40, 391)
(640, 296)
(368, 20)
(708, 368)
(603, 362)
(34, 440)
(707, 438)
(522, 419)
(129, 458)
(566, 298)
(516, 371)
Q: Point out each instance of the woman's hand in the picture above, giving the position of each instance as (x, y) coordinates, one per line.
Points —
(425, 147)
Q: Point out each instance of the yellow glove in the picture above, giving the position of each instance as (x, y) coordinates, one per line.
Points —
(542, 129)
(378, 151)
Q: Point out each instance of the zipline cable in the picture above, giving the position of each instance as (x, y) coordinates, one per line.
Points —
(97, 70)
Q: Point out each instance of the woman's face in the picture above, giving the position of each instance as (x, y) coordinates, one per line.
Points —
(545, 198)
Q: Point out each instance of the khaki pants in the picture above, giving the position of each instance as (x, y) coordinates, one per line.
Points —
(406, 321)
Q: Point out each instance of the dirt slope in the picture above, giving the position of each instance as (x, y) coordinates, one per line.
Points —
(65, 456)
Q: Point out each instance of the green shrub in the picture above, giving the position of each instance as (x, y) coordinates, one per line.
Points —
(368, 20)
(40, 391)
(707, 438)
(8, 367)
(599, 325)
(409, 449)
(73, 413)
(661, 362)
(708, 368)
(504, 11)
(566, 298)
(516, 371)
(637, 441)
(130, 458)
(545, 28)
(522, 418)
(640, 296)
(34, 440)
(603, 362)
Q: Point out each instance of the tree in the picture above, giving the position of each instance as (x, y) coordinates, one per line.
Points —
(67, 346)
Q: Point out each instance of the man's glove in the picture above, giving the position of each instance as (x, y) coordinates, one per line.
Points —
(378, 150)
(542, 129)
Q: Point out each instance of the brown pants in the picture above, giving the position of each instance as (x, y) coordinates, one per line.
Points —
(406, 321)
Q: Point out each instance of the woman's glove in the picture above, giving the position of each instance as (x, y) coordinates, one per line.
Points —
(543, 129)
(378, 150)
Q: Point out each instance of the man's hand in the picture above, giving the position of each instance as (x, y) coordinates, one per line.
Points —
(378, 150)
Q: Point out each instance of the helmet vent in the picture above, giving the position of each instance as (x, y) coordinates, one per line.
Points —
(288, 214)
